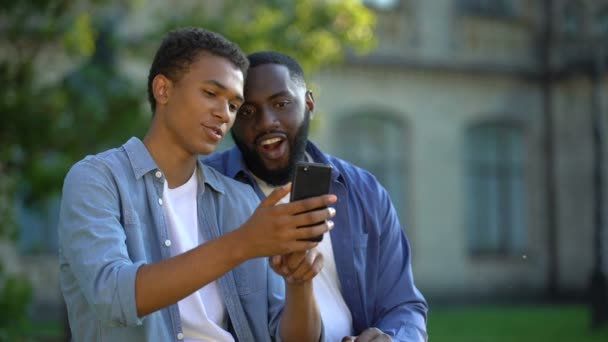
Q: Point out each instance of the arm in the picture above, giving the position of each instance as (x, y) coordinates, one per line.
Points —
(270, 230)
(301, 320)
(92, 240)
(400, 309)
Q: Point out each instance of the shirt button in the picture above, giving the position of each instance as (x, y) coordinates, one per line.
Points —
(158, 174)
(180, 336)
(160, 201)
(168, 243)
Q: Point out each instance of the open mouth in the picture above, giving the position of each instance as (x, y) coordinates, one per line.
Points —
(272, 146)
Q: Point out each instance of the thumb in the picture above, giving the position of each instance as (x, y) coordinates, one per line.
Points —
(276, 196)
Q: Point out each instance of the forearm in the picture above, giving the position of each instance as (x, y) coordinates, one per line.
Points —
(165, 283)
(301, 320)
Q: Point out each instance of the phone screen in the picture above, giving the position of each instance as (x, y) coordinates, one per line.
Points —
(310, 180)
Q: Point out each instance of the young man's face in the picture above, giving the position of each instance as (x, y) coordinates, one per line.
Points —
(271, 128)
(200, 106)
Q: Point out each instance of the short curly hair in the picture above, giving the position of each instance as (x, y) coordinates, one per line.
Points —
(180, 48)
(274, 57)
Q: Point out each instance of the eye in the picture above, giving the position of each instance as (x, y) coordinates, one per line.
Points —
(282, 104)
(209, 93)
(246, 112)
(233, 107)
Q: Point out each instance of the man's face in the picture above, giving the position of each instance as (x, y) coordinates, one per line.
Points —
(200, 106)
(271, 128)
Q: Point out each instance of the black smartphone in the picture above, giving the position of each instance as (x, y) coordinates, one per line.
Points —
(310, 180)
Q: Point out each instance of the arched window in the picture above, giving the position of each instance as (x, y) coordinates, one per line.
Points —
(496, 201)
(378, 144)
(601, 22)
(572, 17)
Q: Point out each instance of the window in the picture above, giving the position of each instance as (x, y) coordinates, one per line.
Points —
(601, 22)
(499, 8)
(376, 143)
(572, 17)
(496, 217)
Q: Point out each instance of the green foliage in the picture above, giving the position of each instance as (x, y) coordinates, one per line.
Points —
(315, 32)
(64, 95)
(15, 293)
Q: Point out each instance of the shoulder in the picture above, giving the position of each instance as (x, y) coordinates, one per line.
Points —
(219, 160)
(355, 178)
(97, 167)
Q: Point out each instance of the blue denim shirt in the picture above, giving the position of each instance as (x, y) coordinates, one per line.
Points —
(371, 250)
(111, 223)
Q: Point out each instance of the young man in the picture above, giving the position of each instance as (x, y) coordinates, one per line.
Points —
(366, 287)
(154, 246)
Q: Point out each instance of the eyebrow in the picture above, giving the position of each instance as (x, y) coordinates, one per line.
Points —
(223, 87)
(279, 94)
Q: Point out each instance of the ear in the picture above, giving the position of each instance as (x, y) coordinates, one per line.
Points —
(310, 101)
(161, 88)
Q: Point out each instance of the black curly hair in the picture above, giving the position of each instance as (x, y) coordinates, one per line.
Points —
(274, 57)
(180, 48)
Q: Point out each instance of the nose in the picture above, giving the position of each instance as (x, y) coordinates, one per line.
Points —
(267, 120)
(222, 110)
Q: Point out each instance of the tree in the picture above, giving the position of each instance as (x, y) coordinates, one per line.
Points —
(64, 94)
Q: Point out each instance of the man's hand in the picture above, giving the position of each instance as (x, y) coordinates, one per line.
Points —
(298, 267)
(368, 335)
(273, 229)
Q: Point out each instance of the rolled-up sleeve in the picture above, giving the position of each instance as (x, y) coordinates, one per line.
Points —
(93, 244)
(400, 307)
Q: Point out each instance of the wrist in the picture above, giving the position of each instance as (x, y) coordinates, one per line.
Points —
(238, 246)
(304, 287)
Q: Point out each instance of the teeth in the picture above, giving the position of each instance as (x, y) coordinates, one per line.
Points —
(270, 141)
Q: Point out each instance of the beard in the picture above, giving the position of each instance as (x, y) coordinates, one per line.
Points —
(282, 175)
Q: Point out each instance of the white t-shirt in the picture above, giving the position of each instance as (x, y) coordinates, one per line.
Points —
(336, 315)
(203, 314)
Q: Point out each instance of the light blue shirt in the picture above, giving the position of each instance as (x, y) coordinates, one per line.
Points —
(111, 223)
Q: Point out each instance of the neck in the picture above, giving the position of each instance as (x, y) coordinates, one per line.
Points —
(176, 163)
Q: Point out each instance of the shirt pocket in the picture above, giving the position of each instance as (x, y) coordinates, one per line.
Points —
(251, 276)
(136, 240)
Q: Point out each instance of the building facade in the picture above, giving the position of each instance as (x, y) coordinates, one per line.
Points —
(451, 114)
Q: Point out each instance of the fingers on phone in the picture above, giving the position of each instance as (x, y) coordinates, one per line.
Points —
(310, 204)
(311, 232)
(276, 195)
(314, 217)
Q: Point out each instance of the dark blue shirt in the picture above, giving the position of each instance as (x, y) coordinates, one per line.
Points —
(371, 250)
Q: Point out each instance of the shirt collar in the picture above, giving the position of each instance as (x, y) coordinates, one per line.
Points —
(319, 157)
(142, 162)
(236, 163)
(139, 156)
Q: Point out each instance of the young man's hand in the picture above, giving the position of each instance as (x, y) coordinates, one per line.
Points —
(273, 228)
(298, 267)
(369, 335)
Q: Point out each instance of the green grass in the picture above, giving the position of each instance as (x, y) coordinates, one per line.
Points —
(517, 323)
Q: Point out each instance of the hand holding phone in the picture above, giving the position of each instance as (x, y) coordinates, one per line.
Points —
(310, 180)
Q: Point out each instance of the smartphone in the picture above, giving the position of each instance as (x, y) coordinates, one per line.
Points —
(310, 180)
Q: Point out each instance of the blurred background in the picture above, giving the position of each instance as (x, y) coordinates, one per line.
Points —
(485, 120)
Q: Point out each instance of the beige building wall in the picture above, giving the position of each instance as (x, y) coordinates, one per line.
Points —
(442, 70)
